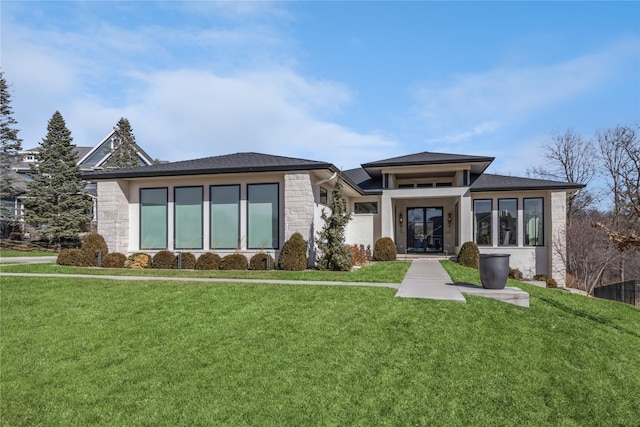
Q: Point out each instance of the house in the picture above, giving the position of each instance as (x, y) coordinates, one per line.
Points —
(89, 159)
(428, 203)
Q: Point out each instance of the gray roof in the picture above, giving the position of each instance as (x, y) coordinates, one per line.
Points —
(492, 182)
(426, 158)
(230, 163)
(361, 178)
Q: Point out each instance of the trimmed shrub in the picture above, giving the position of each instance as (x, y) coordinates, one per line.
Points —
(234, 262)
(16, 236)
(188, 261)
(92, 243)
(514, 273)
(259, 262)
(468, 255)
(138, 260)
(293, 256)
(384, 250)
(75, 257)
(551, 283)
(208, 261)
(163, 259)
(114, 260)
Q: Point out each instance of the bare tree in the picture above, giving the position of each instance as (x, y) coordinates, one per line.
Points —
(570, 158)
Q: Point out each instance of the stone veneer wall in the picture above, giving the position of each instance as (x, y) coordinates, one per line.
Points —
(113, 215)
(558, 236)
(298, 205)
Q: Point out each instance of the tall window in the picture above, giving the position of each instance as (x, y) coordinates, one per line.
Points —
(187, 218)
(533, 222)
(262, 216)
(324, 195)
(153, 218)
(225, 216)
(508, 220)
(482, 221)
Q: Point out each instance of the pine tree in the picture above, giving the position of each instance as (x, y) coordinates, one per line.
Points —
(10, 147)
(334, 255)
(124, 153)
(55, 196)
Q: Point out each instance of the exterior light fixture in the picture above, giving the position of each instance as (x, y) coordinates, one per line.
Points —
(449, 219)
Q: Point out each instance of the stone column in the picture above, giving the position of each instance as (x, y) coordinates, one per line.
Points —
(113, 215)
(558, 244)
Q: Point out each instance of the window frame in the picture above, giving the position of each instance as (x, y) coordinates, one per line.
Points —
(355, 209)
(239, 205)
(175, 222)
(525, 221)
(500, 241)
(166, 213)
(325, 196)
(248, 216)
(490, 223)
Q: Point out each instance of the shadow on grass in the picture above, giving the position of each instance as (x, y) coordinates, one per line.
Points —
(585, 315)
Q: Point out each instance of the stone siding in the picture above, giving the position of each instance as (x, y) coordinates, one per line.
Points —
(298, 205)
(113, 215)
(558, 236)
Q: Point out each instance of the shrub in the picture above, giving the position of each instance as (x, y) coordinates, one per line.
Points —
(259, 262)
(208, 261)
(468, 255)
(163, 259)
(359, 256)
(92, 243)
(16, 236)
(188, 261)
(75, 257)
(384, 250)
(234, 262)
(551, 283)
(138, 260)
(113, 260)
(515, 274)
(293, 256)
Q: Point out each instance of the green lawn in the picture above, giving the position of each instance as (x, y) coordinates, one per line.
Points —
(85, 351)
(7, 253)
(383, 272)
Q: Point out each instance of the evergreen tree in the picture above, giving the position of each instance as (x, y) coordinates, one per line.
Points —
(55, 196)
(334, 255)
(10, 147)
(124, 153)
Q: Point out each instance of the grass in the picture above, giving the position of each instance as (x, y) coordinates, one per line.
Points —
(7, 253)
(382, 272)
(89, 351)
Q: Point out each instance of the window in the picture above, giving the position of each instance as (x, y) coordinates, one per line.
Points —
(324, 195)
(444, 184)
(508, 222)
(405, 186)
(262, 216)
(482, 221)
(225, 216)
(365, 208)
(533, 222)
(187, 218)
(425, 185)
(153, 218)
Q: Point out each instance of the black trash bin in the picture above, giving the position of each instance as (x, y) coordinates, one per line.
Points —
(494, 270)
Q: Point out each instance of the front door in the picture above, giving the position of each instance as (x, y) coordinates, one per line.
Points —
(424, 230)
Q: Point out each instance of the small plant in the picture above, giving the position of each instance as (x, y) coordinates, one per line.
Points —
(468, 255)
(138, 260)
(16, 236)
(259, 262)
(188, 261)
(92, 243)
(208, 261)
(551, 283)
(75, 257)
(163, 259)
(359, 256)
(515, 274)
(114, 260)
(384, 250)
(293, 256)
(234, 262)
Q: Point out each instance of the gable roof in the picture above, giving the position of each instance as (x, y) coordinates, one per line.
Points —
(229, 163)
(428, 158)
(87, 158)
(493, 182)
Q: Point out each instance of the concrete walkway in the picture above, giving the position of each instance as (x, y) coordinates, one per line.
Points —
(428, 279)
(28, 259)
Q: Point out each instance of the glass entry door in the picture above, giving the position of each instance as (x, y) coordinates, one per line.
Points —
(424, 230)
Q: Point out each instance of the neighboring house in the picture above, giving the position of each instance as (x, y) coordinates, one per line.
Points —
(428, 203)
(90, 159)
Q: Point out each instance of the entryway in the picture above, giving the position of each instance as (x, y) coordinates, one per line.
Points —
(425, 231)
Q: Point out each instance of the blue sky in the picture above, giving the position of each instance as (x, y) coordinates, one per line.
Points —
(344, 82)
